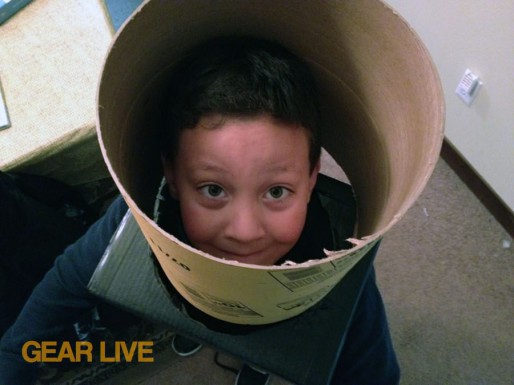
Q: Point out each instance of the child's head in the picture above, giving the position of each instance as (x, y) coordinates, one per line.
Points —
(241, 148)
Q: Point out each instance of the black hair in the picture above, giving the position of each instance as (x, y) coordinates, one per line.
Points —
(241, 77)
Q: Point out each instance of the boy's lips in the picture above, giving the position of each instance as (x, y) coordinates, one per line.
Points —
(240, 254)
(252, 257)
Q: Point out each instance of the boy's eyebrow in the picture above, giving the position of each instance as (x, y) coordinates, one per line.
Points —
(280, 167)
(207, 166)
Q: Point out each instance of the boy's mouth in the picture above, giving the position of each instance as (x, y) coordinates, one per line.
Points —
(251, 257)
(239, 255)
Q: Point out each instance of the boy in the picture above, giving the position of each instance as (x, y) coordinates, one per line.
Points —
(240, 149)
(224, 119)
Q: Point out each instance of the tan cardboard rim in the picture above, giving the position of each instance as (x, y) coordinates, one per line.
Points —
(384, 118)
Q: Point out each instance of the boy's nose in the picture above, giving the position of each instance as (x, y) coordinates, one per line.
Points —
(245, 225)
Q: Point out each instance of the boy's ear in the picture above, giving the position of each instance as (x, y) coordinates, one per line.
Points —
(169, 174)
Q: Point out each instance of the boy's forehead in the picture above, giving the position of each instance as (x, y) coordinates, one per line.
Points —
(218, 126)
(278, 146)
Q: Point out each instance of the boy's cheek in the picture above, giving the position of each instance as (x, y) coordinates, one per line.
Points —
(288, 229)
(199, 224)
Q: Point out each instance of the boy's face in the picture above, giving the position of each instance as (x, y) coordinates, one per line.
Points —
(243, 185)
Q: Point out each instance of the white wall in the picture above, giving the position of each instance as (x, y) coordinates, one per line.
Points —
(479, 35)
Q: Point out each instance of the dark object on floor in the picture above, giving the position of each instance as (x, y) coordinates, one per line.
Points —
(39, 218)
(183, 346)
(251, 376)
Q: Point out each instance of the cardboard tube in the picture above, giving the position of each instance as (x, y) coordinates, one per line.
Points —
(383, 112)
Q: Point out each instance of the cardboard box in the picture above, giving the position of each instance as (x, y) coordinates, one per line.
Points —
(383, 112)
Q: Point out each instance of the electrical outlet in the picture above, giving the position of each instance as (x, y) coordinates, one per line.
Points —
(468, 87)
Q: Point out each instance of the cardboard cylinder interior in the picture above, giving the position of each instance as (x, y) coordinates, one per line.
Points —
(383, 114)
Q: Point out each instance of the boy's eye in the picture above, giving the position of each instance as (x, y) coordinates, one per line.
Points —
(277, 193)
(212, 191)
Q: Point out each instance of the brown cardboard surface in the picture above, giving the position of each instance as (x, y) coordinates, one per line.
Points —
(383, 124)
(51, 58)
